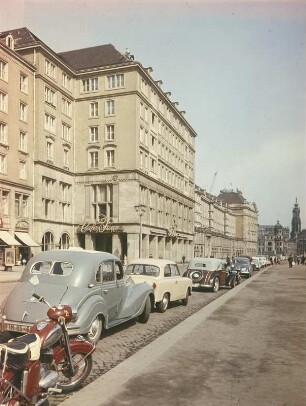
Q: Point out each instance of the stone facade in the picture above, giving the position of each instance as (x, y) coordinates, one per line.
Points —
(108, 162)
(106, 140)
(225, 225)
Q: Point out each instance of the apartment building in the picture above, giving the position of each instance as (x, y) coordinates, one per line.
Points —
(16, 154)
(112, 157)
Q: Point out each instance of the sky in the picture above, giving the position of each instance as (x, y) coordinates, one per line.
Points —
(236, 67)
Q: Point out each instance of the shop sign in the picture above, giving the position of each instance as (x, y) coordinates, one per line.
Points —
(104, 225)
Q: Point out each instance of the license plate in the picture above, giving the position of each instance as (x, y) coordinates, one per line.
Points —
(20, 328)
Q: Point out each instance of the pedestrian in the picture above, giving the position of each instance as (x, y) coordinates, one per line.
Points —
(183, 258)
(290, 260)
(303, 259)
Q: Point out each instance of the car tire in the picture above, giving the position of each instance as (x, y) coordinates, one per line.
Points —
(163, 305)
(95, 331)
(185, 300)
(145, 315)
(216, 286)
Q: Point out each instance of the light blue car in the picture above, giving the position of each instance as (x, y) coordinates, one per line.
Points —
(91, 281)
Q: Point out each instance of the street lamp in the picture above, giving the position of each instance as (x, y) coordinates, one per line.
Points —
(140, 210)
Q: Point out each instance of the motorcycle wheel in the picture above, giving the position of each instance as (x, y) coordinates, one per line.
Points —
(83, 366)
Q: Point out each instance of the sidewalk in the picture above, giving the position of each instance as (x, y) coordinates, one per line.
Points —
(245, 348)
(12, 276)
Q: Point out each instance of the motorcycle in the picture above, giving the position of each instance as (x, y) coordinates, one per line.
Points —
(45, 361)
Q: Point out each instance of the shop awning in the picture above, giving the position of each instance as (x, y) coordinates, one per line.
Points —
(8, 238)
(26, 239)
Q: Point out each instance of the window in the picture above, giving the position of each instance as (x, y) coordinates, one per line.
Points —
(3, 70)
(109, 158)
(50, 69)
(3, 163)
(93, 159)
(3, 133)
(66, 132)
(93, 109)
(21, 205)
(66, 107)
(22, 170)
(48, 187)
(47, 241)
(50, 150)
(23, 112)
(3, 102)
(90, 85)
(23, 141)
(4, 206)
(50, 96)
(49, 123)
(110, 132)
(65, 192)
(66, 158)
(102, 201)
(66, 81)
(93, 134)
(65, 242)
(108, 274)
(110, 107)
(115, 81)
(23, 83)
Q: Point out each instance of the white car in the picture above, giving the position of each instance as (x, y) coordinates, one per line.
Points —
(165, 278)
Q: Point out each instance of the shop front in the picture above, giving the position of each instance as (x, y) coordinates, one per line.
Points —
(103, 235)
(8, 251)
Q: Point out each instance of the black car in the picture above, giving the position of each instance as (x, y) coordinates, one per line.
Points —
(244, 266)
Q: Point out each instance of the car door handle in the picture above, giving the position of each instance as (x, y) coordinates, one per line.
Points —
(105, 291)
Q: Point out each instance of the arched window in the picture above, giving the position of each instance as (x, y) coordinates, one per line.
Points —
(47, 241)
(64, 241)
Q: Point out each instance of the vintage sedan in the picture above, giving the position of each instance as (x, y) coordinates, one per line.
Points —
(245, 266)
(92, 281)
(211, 273)
(164, 276)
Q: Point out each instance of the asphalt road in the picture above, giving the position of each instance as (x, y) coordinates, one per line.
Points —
(246, 348)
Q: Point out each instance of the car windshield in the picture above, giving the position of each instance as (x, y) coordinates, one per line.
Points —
(52, 268)
(244, 263)
(142, 269)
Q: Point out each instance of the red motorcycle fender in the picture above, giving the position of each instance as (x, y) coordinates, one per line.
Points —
(33, 388)
(77, 346)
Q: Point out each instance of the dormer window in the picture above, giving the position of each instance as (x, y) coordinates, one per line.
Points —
(10, 42)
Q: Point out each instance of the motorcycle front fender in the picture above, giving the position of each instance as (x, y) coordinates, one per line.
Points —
(76, 346)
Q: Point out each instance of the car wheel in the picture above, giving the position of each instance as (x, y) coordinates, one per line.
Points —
(95, 330)
(216, 285)
(145, 315)
(185, 300)
(163, 305)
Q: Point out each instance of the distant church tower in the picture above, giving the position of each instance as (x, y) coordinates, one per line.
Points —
(296, 221)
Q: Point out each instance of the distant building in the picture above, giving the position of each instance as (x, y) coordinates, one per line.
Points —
(274, 240)
(224, 225)
(246, 220)
(296, 222)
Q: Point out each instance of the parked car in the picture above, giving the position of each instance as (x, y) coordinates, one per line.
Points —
(164, 276)
(257, 263)
(211, 273)
(91, 281)
(244, 265)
